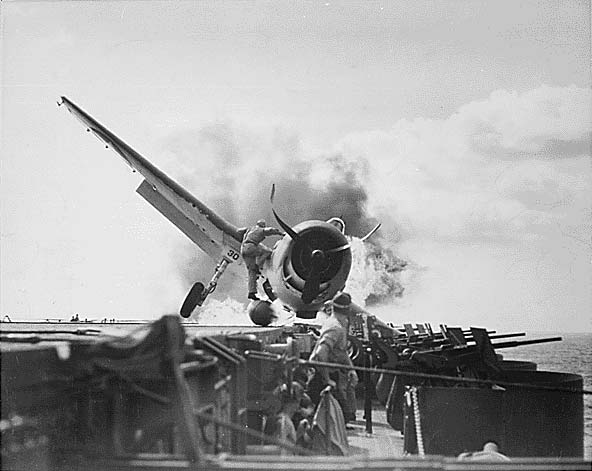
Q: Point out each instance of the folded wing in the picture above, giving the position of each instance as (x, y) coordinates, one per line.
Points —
(215, 236)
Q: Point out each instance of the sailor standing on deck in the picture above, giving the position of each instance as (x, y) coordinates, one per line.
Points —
(332, 348)
(255, 253)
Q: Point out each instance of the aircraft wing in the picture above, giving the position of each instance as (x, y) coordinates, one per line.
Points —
(215, 236)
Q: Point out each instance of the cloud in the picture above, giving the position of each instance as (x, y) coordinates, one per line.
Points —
(547, 122)
(491, 175)
(491, 206)
(492, 170)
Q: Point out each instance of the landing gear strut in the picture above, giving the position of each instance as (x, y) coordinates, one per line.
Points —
(198, 292)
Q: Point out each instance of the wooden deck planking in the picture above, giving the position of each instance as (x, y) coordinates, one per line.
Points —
(383, 442)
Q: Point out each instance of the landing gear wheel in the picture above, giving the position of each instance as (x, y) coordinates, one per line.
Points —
(193, 299)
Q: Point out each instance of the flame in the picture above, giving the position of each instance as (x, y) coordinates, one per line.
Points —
(375, 275)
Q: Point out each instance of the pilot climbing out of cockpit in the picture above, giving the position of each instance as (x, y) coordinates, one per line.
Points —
(254, 253)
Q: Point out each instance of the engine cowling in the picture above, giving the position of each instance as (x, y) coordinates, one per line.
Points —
(321, 252)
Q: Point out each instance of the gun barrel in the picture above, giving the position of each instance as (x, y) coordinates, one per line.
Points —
(507, 336)
(519, 343)
(440, 340)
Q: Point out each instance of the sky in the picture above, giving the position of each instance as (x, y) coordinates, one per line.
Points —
(466, 123)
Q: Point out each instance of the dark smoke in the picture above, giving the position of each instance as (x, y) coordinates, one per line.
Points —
(232, 172)
(342, 196)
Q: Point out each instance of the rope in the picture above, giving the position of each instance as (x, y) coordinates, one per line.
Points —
(417, 417)
(272, 357)
(448, 378)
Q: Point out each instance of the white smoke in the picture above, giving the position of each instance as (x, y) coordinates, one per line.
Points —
(243, 165)
(226, 312)
(494, 169)
(493, 203)
(490, 206)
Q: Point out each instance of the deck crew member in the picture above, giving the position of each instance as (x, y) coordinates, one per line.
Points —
(255, 253)
(331, 347)
(281, 425)
(490, 452)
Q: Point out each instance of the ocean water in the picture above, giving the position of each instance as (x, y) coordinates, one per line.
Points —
(572, 355)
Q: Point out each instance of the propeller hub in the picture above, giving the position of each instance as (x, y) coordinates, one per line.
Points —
(317, 256)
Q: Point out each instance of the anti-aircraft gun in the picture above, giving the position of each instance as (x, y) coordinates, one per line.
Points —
(450, 352)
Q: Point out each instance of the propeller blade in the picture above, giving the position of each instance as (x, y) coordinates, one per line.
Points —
(338, 249)
(285, 226)
(282, 224)
(367, 236)
(313, 281)
(311, 287)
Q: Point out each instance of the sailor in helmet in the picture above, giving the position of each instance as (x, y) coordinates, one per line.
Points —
(254, 252)
(331, 347)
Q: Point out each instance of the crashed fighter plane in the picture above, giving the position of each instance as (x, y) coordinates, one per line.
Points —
(307, 267)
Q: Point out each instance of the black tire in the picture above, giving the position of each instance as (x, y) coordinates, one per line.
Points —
(192, 300)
